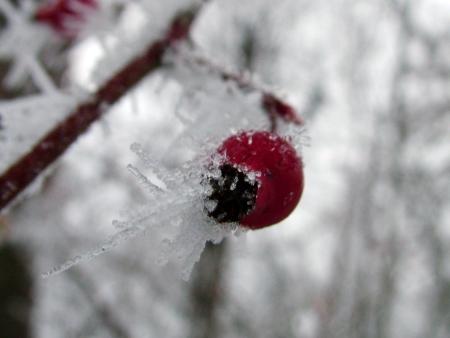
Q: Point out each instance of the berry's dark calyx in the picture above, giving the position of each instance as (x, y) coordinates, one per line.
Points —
(233, 193)
(279, 186)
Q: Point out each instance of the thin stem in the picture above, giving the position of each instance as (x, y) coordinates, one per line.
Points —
(47, 150)
(271, 103)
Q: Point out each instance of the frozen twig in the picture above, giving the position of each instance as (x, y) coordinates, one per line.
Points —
(46, 151)
(275, 106)
(40, 76)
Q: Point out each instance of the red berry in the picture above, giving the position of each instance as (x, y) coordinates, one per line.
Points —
(276, 189)
(65, 16)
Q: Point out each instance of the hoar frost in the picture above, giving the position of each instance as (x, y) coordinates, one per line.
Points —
(177, 206)
(177, 203)
(177, 209)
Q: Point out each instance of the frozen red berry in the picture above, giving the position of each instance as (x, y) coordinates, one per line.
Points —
(65, 16)
(260, 182)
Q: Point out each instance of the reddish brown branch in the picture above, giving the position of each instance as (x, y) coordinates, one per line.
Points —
(277, 108)
(22, 173)
(271, 103)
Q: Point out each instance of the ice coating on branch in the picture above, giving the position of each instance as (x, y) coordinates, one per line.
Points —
(142, 23)
(26, 120)
(20, 42)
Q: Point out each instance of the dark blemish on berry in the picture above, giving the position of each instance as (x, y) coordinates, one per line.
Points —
(234, 194)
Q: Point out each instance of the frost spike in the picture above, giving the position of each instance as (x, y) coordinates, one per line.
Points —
(111, 243)
(146, 159)
(149, 186)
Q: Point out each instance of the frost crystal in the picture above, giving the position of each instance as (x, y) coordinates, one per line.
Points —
(178, 211)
